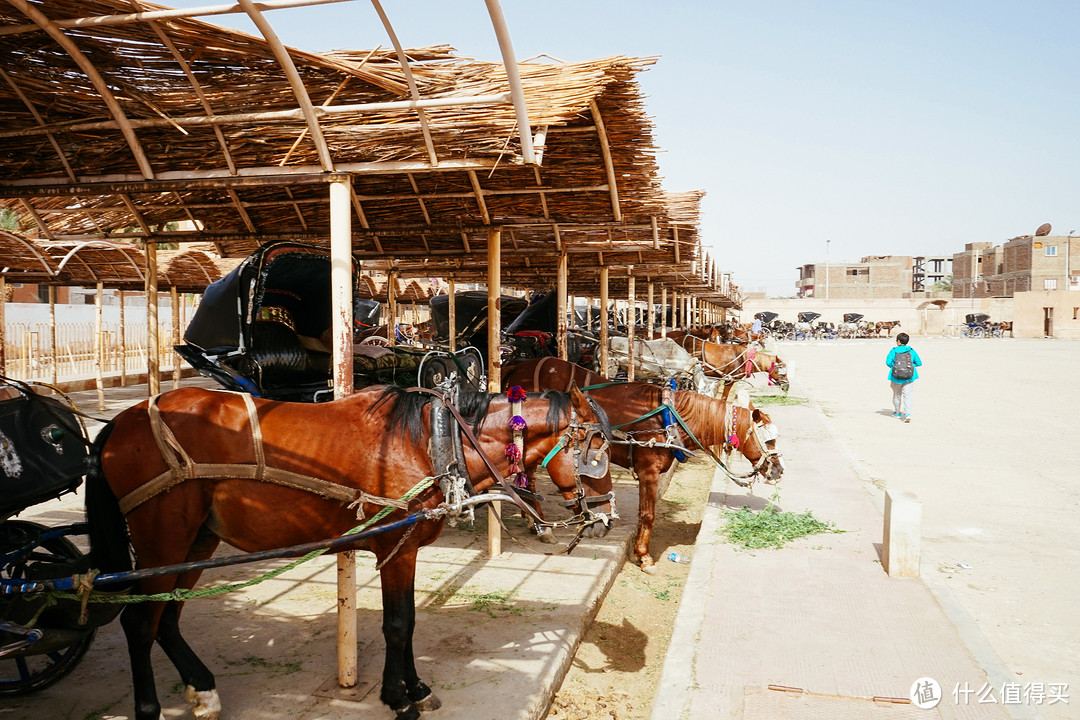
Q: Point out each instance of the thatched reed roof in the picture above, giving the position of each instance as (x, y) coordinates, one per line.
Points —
(162, 127)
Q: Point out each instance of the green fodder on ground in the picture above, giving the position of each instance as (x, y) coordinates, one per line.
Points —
(770, 528)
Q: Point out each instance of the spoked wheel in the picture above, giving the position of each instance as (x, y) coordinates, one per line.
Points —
(57, 654)
(473, 364)
(377, 340)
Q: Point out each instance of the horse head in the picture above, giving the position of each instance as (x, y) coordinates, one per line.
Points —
(580, 464)
(758, 445)
(777, 369)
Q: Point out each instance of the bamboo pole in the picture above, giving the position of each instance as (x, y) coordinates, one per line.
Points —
(341, 318)
(153, 360)
(123, 344)
(99, 347)
(650, 326)
(603, 320)
(3, 325)
(631, 312)
(174, 297)
(54, 351)
(452, 308)
(560, 307)
(391, 308)
(663, 311)
(494, 318)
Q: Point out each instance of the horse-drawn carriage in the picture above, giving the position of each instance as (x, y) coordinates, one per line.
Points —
(265, 329)
(979, 325)
(43, 450)
(852, 327)
(804, 328)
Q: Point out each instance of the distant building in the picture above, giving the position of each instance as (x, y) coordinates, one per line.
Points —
(1023, 264)
(875, 276)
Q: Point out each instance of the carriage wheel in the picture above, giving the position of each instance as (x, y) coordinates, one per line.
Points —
(434, 370)
(28, 673)
(375, 340)
(473, 363)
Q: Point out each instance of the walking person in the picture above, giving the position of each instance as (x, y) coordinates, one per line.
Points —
(902, 361)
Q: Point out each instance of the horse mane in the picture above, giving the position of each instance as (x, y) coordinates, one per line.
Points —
(705, 416)
(406, 409)
(559, 409)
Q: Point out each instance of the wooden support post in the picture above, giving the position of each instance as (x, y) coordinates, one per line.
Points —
(153, 343)
(391, 307)
(174, 298)
(451, 306)
(603, 320)
(560, 307)
(52, 336)
(341, 323)
(650, 326)
(630, 323)
(99, 347)
(3, 325)
(123, 344)
(494, 243)
(663, 311)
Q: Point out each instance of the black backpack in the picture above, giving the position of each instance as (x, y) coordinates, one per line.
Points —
(902, 366)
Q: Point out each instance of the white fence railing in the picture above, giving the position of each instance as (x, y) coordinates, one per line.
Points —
(29, 353)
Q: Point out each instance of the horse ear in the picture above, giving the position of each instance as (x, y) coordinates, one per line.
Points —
(581, 404)
(757, 415)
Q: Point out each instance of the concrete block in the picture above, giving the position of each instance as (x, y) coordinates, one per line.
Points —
(900, 544)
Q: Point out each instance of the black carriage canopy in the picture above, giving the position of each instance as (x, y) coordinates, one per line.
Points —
(852, 317)
(541, 315)
(766, 317)
(976, 318)
(470, 311)
(808, 317)
(286, 283)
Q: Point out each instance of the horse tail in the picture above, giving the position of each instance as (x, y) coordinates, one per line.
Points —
(110, 547)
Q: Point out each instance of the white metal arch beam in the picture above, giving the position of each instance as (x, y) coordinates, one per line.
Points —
(96, 80)
(281, 53)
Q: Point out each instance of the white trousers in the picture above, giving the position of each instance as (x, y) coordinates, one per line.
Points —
(902, 397)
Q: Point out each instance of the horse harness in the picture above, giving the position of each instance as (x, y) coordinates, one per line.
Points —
(444, 448)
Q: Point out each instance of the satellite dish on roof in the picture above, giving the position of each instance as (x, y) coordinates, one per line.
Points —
(1044, 229)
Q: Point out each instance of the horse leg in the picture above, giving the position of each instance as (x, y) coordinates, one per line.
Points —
(647, 472)
(402, 689)
(200, 686)
(140, 624)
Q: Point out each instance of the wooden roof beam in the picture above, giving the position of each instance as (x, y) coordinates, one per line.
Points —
(41, 123)
(479, 194)
(409, 79)
(609, 167)
(281, 53)
(171, 14)
(241, 210)
(139, 219)
(95, 79)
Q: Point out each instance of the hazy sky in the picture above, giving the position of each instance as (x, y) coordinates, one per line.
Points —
(905, 127)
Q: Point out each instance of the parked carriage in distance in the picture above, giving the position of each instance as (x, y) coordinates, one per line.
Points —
(853, 326)
(979, 325)
(804, 328)
(265, 329)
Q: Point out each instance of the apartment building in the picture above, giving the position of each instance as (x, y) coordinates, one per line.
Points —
(874, 276)
(1022, 264)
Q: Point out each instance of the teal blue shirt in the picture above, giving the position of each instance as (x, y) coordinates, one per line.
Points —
(915, 360)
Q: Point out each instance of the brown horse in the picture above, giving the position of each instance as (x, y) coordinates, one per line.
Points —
(887, 326)
(737, 362)
(179, 473)
(626, 403)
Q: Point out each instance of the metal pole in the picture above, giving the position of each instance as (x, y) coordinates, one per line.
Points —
(153, 357)
(630, 322)
(663, 311)
(175, 299)
(52, 335)
(99, 347)
(123, 344)
(560, 307)
(650, 326)
(603, 320)
(451, 305)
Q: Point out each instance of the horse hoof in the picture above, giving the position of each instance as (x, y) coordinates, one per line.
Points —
(407, 713)
(546, 536)
(428, 704)
(648, 568)
(206, 704)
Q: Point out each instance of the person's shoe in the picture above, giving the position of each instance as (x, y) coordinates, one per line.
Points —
(907, 418)
(896, 415)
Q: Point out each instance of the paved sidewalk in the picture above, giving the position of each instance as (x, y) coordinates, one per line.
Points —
(817, 629)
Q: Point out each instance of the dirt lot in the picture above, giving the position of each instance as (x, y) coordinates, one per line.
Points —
(618, 664)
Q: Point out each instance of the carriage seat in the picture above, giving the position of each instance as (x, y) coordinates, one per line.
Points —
(277, 356)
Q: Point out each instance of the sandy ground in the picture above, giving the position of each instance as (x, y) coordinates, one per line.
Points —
(988, 453)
